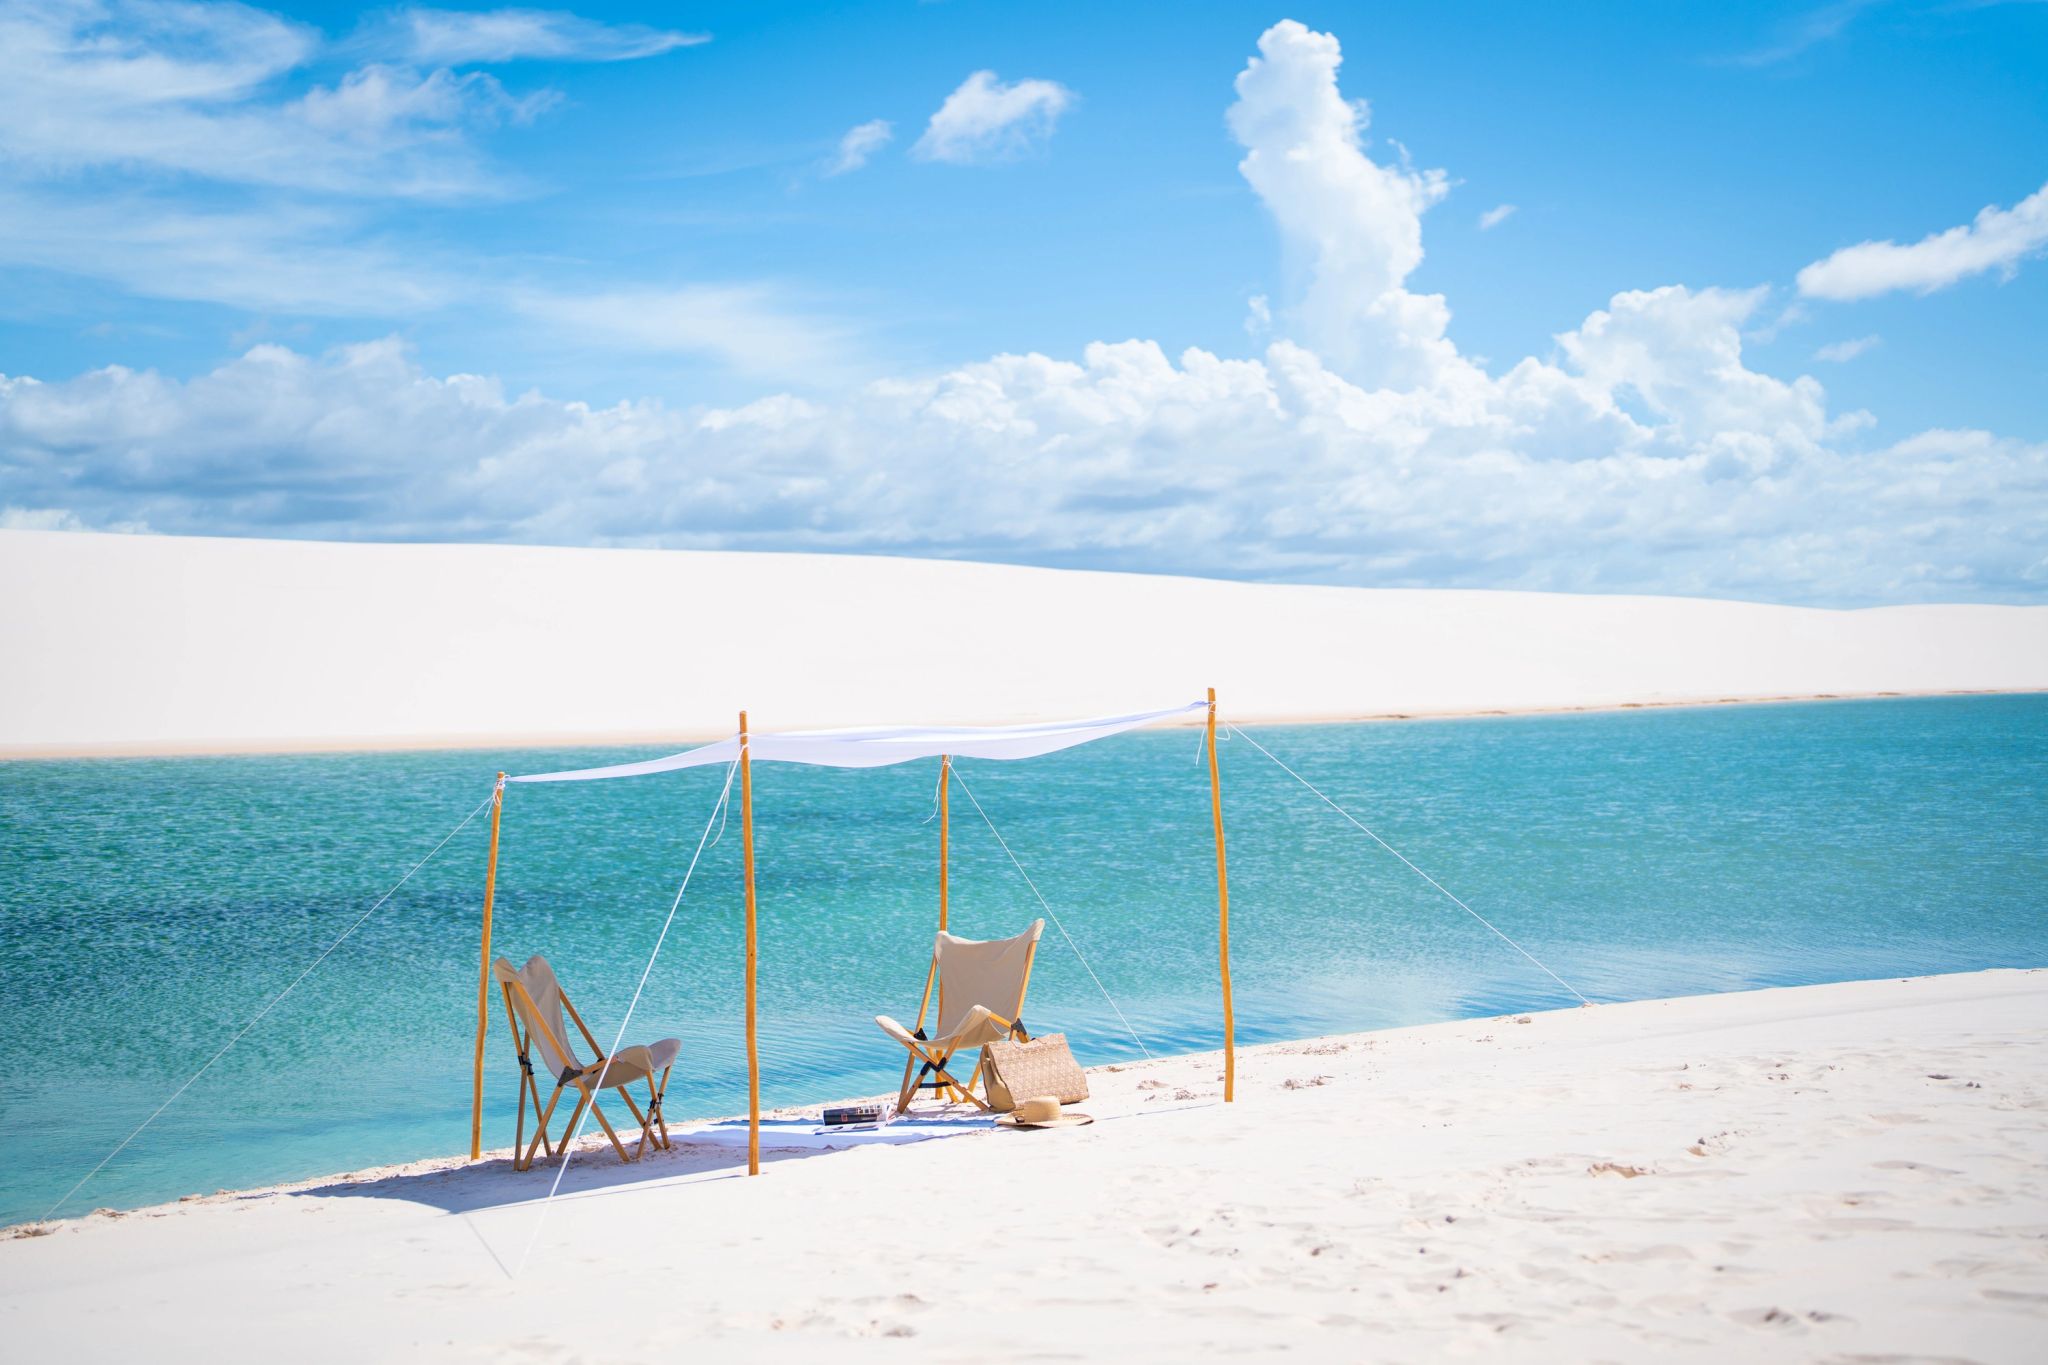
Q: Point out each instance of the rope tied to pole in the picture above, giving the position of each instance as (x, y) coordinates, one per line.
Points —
(1413, 868)
(1051, 914)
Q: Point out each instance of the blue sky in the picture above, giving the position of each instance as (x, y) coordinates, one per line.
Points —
(509, 274)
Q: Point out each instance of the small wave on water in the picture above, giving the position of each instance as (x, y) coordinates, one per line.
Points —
(149, 907)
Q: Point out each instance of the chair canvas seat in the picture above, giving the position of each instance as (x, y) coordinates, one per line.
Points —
(980, 986)
(535, 1006)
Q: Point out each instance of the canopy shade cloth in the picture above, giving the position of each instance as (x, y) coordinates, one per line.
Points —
(879, 747)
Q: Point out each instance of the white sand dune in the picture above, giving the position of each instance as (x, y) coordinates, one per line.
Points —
(1835, 1172)
(132, 644)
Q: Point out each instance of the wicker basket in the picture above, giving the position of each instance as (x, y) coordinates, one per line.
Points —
(1041, 1068)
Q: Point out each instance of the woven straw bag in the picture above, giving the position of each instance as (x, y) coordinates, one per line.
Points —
(1041, 1069)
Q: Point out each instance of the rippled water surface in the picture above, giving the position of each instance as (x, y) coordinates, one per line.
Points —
(149, 907)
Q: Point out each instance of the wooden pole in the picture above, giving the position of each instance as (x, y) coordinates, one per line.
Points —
(1223, 912)
(945, 838)
(945, 781)
(483, 981)
(753, 1050)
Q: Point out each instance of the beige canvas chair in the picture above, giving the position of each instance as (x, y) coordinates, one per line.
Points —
(534, 1005)
(981, 989)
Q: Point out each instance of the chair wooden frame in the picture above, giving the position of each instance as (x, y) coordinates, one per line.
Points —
(653, 1127)
(928, 1057)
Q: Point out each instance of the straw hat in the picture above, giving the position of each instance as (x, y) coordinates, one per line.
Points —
(1043, 1112)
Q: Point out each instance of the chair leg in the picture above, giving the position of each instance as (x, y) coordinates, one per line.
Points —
(947, 1086)
(659, 1093)
(528, 1087)
(522, 1044)
(641, 1149)
(934, 1064)
(519, 1128)
(908, 1090)
(547, 1145)
(540, 1137)
(605, 1123)
(964, 1092)
(575, 1119)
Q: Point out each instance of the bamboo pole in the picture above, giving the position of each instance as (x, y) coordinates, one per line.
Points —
(945, 781)
(483, 981)
(1222, 912)
(753, 1051)
(945, 838)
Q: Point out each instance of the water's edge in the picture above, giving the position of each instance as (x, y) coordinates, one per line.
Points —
(592, 1143)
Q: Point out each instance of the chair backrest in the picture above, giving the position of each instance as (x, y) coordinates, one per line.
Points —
(992, 972)
(541, 1005)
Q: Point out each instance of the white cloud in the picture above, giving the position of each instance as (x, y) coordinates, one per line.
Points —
(282, 259)
(39, 519)
(437, 37)
(1271, 467)
(61, 519)
(1997, 239)
(749, 328)
(1360, 445)
(1495, 216)
(154, 87)
(986, 120)
(151, 97)
(1809, 30)
(861, 141)
(377, 100)
(1793, 314)
(1679, 353)
(292, 261)
(1838, 352)
(1351, 224)
(1258, 316)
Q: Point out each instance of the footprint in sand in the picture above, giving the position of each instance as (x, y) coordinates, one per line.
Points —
(1917, 1167)
(2015, 1296)
(1774, 1319)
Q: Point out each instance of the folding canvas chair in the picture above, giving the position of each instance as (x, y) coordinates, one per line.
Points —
(981, 989)
(534, 1005)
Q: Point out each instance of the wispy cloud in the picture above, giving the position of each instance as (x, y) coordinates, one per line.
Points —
(194, 90)
(1997, 239)
(1840, 352)
(439, 37)
(754, 329)
(861, 141)
(1801, 35)
(986, 120)
(1495, 216)
(287, 258)
(212, 181)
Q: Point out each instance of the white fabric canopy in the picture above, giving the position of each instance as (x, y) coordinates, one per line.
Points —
(876, 748)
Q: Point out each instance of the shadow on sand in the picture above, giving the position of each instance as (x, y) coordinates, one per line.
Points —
(595, 1172)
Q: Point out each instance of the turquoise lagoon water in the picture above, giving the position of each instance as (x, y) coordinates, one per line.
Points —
(148, 907)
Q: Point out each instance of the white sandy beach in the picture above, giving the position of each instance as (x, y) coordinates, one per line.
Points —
(1837, 1172)
(144, 644)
